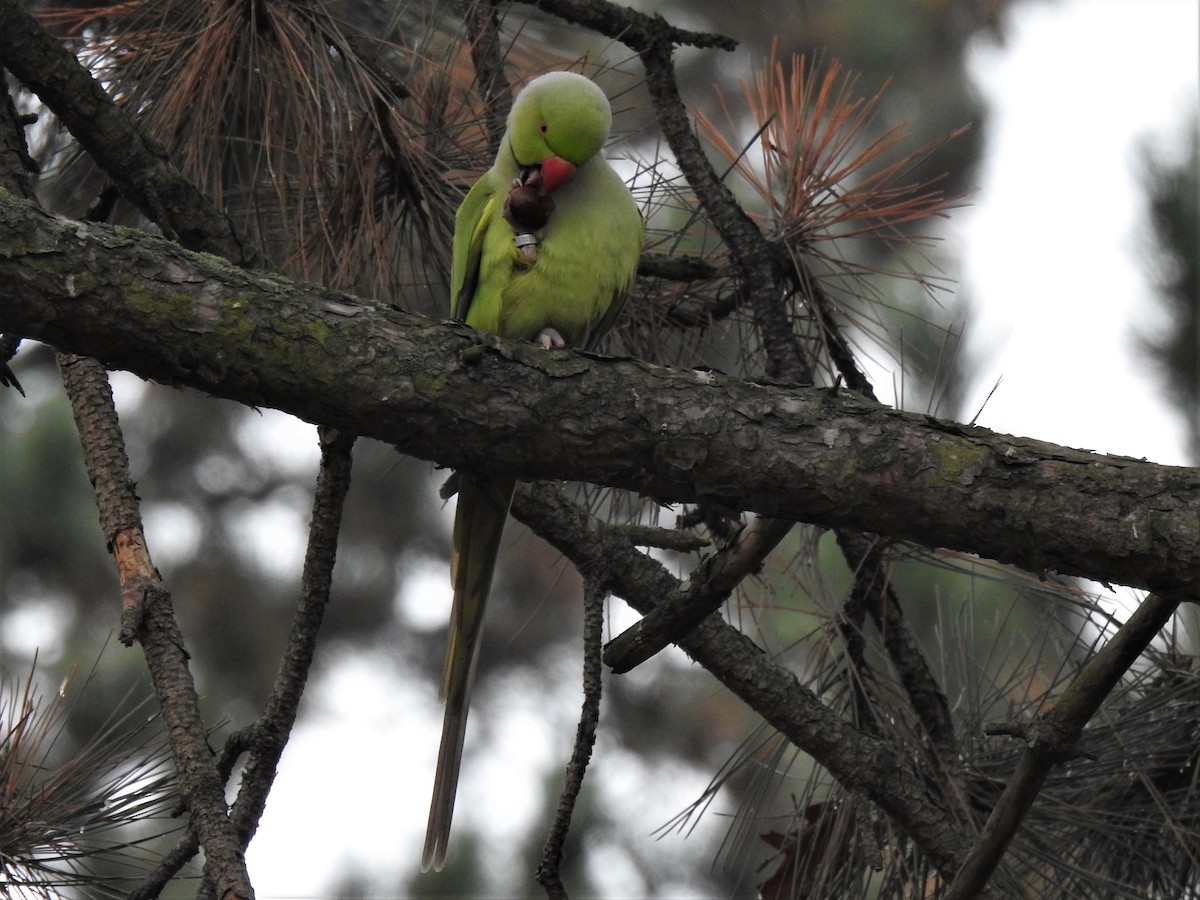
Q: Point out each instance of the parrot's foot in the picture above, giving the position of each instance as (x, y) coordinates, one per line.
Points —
(549, 339)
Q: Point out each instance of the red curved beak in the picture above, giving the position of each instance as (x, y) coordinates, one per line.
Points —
(555, 172)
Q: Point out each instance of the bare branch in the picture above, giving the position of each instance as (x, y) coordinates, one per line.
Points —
(274, 726)
(754, 258)
(147, 612)
(872, 580)
(548, 870)
(676, 268)
(635, 29)
(709, 586)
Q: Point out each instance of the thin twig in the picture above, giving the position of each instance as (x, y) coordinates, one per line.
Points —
(483, 28)
(279, 714)
(549, 873)
(274, 727)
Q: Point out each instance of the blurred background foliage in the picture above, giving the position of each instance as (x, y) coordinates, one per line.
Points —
(346, 165)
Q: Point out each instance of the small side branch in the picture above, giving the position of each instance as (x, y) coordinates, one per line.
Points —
(710, 586)
(269, 735)
(279, 714)
(866, 557)
(633, 28)
(753, 257)
(147, 615)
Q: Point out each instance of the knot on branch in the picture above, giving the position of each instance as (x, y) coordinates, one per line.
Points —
(1045, 735)
(136, 594)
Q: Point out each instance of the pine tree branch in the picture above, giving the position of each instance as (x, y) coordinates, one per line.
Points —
(316, 580)
(676, 268)
(141, 171)
(270, 733)
(755, 260)
(765, 271)
(876, 767)
(807, 454)
(633, 28)
(873, 582)
(549, 874)
(267, 737)
(1054, 738)
(136, 162)
(147, 613)
(709, 586)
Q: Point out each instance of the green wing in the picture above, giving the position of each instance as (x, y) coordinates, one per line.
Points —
(470, 224)
(625, 249)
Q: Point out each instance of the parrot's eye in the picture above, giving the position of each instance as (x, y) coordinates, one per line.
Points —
(543, 128)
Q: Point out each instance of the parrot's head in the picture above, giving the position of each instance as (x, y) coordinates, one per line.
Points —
(559, 121)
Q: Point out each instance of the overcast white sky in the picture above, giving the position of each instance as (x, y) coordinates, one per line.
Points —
(1052, 263)
(1054, 241)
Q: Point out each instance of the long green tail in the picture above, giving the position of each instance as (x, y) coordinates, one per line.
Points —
(478, 526)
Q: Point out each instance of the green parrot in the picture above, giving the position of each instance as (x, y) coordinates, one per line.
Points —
(546, 245)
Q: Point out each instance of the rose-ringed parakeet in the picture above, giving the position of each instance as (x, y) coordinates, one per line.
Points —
(545, 248)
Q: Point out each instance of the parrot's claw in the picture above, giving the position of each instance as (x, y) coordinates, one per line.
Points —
(550, 339)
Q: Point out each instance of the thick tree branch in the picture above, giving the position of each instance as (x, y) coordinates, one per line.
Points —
(810, 454)
(446, 393)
